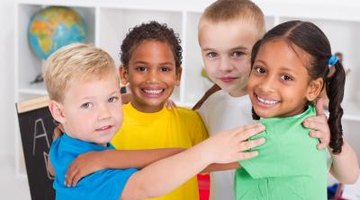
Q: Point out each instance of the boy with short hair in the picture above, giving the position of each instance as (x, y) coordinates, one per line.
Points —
(83, 85)
(239, 24)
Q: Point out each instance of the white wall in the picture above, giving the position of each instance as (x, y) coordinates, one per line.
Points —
(7, 108)
(7, 104)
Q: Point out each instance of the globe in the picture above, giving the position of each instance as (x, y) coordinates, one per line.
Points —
(54, 27)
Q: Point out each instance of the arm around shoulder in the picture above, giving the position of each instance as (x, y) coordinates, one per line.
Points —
(345, 166)
(165, 175)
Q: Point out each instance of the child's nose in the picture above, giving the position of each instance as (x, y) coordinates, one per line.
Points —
(153, 76)
(267, 84)
(225, 65)
(104, 113)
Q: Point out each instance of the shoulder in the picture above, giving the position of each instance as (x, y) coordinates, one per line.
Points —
(186, 112)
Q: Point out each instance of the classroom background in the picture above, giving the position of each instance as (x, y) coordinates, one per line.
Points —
(340, 21)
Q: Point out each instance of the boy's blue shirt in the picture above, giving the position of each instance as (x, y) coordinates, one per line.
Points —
(104, 184)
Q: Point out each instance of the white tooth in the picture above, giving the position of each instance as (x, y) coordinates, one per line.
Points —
(153, 91)
(270, 102)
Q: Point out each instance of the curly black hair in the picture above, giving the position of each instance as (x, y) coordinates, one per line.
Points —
(151, 31)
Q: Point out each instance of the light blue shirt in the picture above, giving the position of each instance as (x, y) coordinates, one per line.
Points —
(104, 184)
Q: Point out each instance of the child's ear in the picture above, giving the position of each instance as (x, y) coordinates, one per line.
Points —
(178, 76)
(56, 110)
(314, 89)
(124, 74)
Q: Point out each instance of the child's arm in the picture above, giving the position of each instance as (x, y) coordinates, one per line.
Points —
(345, 166)
(91, 162)
(208, 93)
(221, 167)
(56, 133)
(165, 175)
(233, 165)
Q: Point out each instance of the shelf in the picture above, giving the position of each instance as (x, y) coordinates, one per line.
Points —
(108, 21)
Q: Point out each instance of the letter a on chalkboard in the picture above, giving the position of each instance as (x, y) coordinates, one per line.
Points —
(36, 129)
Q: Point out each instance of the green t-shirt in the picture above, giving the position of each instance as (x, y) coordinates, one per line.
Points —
(288, 166)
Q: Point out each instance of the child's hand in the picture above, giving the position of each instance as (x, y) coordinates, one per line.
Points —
(233, 145)
(207, 94)
(126, 97)
(83, 165)
(58, 131)
(170, 104)
(319, 126)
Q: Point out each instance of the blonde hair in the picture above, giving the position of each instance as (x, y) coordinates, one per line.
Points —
(75, 62)
(227, 10)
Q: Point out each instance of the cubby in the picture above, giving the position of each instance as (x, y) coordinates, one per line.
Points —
(109, 20)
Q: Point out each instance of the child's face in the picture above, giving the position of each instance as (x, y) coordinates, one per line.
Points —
(91, 110)
(226, 51)
(279, 83)
(152, 75)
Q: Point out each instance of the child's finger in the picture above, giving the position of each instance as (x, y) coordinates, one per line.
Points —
(58, 131)
(170, 104)
(247, 155)
(71, 172)
(321, 146)
(324, 141)
(248, 145)
(320, 107)
(76, 179)
(250, 130)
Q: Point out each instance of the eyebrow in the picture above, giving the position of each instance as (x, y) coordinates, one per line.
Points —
(162, 63)
(232, 49)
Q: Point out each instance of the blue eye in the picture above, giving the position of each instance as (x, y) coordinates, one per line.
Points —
(113, 99)
(237, 53)
(86, 105)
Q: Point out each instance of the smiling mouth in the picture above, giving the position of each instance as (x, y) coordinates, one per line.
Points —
(153, 92)
(104, 128)
(266, 101)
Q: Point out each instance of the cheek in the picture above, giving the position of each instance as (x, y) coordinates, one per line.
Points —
(117, 113)
(211, 69)
(243, 66)
(253, 83)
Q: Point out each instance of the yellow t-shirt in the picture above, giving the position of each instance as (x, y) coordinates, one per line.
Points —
(174, 128)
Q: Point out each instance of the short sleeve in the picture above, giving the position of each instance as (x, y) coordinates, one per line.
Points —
(105, 184)
(197, 128)
(283, 154)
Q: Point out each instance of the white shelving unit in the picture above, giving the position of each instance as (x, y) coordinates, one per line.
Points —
(109, 20)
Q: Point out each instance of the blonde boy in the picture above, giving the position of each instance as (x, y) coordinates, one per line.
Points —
(84, 91)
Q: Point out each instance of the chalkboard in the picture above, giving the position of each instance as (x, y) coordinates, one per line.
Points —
(36, 129)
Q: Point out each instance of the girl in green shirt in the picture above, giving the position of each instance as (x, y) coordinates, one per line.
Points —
(290, 66)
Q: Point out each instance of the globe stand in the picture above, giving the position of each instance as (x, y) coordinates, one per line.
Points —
(38, 79)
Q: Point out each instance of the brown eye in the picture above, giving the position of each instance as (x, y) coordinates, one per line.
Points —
(211, 54)
(259, 70)
(287, 77)
(141, 68)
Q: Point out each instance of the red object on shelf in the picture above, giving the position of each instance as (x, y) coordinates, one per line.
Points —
(204, 186)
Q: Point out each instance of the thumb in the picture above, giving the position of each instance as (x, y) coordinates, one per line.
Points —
(320, 107)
